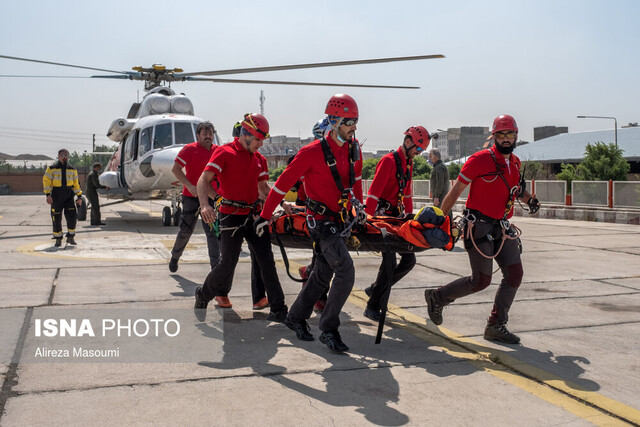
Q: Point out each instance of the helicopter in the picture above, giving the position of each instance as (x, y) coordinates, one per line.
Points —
(155, 129)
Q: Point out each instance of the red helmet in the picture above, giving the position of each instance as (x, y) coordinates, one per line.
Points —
(257, 125)
(504, 122)
(342, 105)
(419, 136)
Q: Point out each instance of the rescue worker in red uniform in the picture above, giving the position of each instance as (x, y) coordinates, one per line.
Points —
(390, 195)
(332, 170)
(496, 183)
(258, 293)
(60, 184)
(242, 174)
(193, 158)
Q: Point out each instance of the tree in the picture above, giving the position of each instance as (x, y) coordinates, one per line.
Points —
(275, 173)
(106, 148)
(603, 162)
(369, 167)
(421, 169)
(532, 169)
(568, 173)
(454, 170)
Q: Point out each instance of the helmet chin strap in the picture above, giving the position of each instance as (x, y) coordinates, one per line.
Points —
(406, 150)
(335, 124)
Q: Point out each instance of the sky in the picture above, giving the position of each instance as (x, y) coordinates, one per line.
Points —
(542, 61)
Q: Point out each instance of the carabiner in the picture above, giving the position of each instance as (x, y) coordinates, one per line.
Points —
(310, 218)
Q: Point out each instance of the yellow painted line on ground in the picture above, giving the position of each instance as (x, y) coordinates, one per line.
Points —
(588, 405)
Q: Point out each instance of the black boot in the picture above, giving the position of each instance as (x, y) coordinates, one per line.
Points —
(333, 340)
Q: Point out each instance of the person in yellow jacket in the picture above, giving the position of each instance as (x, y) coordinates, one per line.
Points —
(60, 184)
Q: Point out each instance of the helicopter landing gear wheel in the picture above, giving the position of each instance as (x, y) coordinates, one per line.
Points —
(166, 216)
(176, 216)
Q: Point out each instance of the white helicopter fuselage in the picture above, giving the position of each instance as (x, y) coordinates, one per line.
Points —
(142, 165)
(149, 142)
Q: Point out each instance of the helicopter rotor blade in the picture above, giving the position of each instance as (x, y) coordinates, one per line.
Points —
(44, 77)
(314, 65)
(273, 82)
(63, 65)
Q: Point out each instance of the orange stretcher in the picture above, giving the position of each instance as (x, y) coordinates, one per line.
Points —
(428, 229)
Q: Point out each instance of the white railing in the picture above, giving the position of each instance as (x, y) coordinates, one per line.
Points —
(590, 193)
(614, 194)
(626, 194)
(550, 191)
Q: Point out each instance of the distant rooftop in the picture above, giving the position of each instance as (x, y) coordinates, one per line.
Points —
(570, 147)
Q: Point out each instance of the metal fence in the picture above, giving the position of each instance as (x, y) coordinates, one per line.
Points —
(550, 191)
(590, 193)
(626, 194)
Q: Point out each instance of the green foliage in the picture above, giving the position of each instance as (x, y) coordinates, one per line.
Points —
(81, 162)
(274, 174)
(369, 167)
(106, 148)
(603, 162)
(421, 169)
(568, 173)
(454, 170)
(532, 169)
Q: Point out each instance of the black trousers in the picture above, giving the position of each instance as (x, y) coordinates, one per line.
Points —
(481, 270)
(188, 221)
(234, 230)
(94, 201)
(380, 286)
(333, 259)
(64, 203)
(257, 285)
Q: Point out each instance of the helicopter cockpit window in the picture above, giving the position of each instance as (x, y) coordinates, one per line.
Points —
(184, 133)
(131, 146)
(144, 144)
(163, 137)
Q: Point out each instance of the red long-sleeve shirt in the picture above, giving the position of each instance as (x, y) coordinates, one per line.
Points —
(319, 184)
(385, 184)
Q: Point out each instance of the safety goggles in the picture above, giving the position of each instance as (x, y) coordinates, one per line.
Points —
(63, 154)
(503, 135)
(350, 122)
(419, 150)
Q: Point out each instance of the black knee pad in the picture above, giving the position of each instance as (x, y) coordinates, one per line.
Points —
(514, 275)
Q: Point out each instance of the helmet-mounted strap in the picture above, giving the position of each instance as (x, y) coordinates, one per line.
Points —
(248, 121)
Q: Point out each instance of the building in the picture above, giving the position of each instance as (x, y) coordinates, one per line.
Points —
(278, 148)
(542, 132)
(441, 144)
(570, 148)
(461, 142)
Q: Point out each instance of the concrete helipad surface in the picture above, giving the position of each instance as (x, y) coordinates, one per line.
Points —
(577, 313)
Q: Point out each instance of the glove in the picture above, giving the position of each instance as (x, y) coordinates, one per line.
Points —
(534, 205)
(260, 225)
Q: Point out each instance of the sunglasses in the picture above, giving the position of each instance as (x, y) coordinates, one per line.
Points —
(503, 135)
(419, 150)
(64, 154)
(350, 122)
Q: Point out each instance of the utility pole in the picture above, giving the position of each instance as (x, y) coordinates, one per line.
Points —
(93, 149)
(262, 103)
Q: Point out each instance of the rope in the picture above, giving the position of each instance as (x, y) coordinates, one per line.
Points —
(505, 236)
